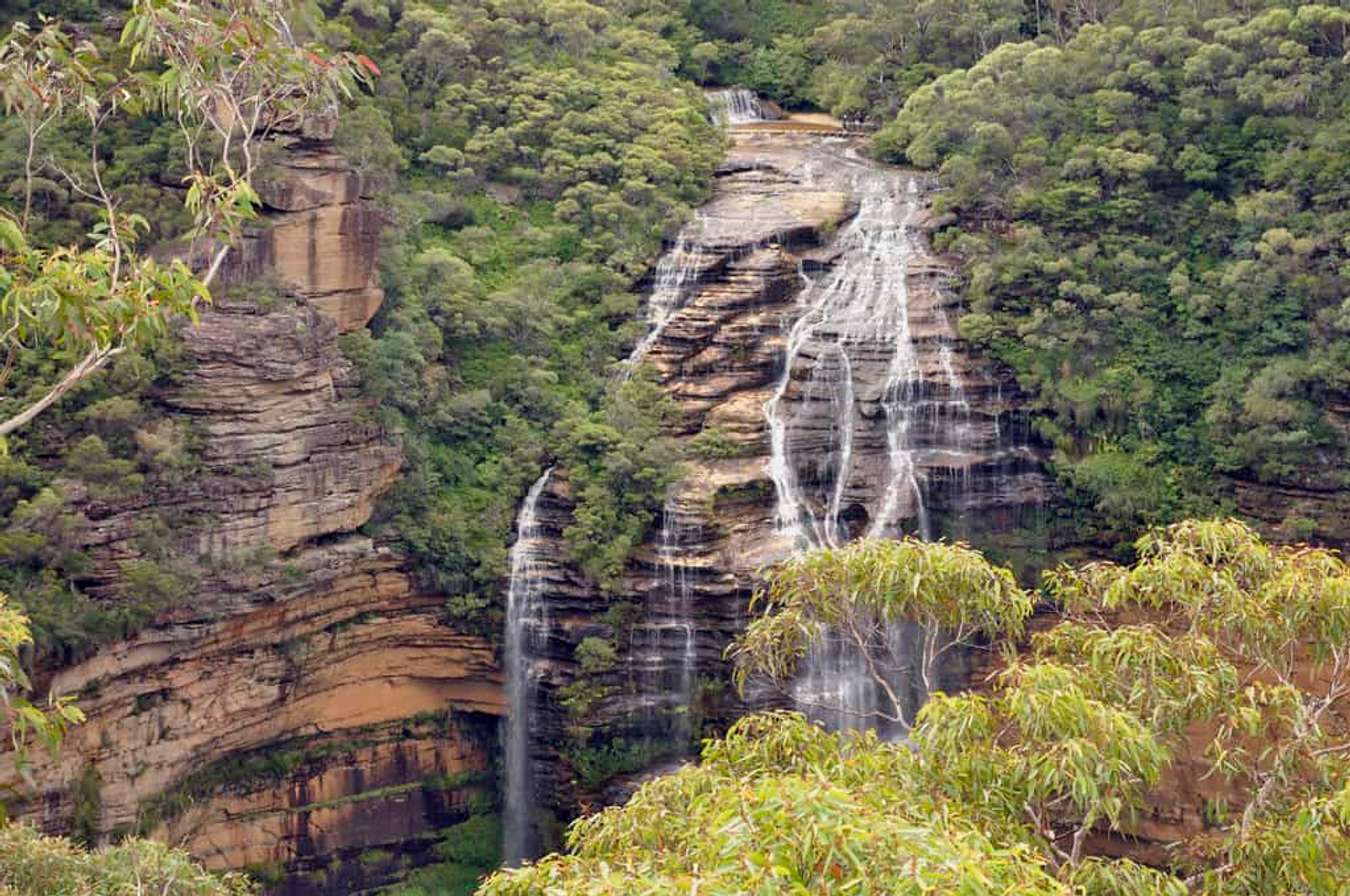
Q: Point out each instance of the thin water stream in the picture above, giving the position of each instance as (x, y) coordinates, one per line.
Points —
(526, 632)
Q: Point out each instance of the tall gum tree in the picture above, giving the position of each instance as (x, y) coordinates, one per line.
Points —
(1216, 655)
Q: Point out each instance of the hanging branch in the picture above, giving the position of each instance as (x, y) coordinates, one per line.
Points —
(231, 75)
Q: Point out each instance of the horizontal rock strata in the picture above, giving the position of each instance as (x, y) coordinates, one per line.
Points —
(302, 707)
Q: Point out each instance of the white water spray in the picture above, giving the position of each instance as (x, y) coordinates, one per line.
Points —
(851, 362)
(735, 105)
(526, 632)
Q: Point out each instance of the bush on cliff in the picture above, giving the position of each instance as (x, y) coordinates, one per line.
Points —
(34, 865)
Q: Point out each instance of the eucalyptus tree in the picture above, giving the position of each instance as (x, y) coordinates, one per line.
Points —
(1216, 656)
(231, 74)
(25, 721)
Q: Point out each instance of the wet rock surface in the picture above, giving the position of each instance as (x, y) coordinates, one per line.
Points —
(723, 305)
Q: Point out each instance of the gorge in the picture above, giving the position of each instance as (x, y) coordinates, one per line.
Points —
(612, 422)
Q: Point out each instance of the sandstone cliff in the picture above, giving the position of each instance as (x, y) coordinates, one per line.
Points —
(303, 704)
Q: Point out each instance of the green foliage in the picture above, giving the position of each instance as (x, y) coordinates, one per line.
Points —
(475, 843)
(106, 476)
(580, 696)
(814, 813)
(31, 863)
(713, 443)
(596, 655)
(266, 874)
(858, 590)
(1151, 218)
(1000, 790)
(469, 851)
(856, 58)
(543, 150)
(229, 75)
(620, 466)
(88, 801)
(596, 764)
(25, 721)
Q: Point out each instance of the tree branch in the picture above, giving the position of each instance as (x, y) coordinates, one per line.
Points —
(91, 363)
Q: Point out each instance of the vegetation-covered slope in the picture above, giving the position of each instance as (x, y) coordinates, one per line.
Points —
(1152, 217)
(541, 152)
(1149, 205)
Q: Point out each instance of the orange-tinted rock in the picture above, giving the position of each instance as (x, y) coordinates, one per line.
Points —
(302, 648)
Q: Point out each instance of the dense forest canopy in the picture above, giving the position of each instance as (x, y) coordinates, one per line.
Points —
(1151, 207)
(1152, 219)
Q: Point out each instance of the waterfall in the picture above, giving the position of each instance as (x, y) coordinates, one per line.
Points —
(836, 687)
(678, 588)
(899, 402)
(526, 633)
(855, 315)
(735, 105)
(672, 285)
(852, 360)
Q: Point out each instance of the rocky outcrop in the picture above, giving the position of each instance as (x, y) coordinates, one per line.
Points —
(300, 707)
(320, 238)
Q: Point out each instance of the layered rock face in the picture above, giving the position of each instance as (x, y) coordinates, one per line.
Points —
(1315, 504)
(302, 704)
(321, 238)
(806, 332)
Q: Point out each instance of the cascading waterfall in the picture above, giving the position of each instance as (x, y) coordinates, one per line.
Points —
(735, 105)
(833, 387)
(526, 633)
(837, 688)
(675, 280)
(664, 644)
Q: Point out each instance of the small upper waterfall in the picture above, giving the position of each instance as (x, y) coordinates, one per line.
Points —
(526, 631)
(735, 105)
